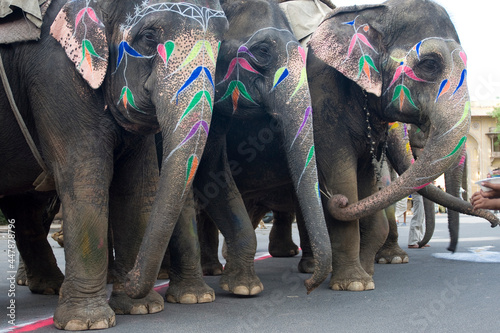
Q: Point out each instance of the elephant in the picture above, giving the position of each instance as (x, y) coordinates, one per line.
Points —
(103, 78)
(262, 100)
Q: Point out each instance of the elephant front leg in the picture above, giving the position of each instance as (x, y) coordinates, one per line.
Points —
(82, 299)
(186, 278)
(347, 272)
(280, 239)
(132, 194)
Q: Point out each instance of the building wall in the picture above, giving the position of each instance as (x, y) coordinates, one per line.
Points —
(480, 160)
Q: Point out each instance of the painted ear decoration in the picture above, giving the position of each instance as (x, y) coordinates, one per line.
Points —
(358, 39)
(81, 33)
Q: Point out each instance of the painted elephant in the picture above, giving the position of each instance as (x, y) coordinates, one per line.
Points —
(263, 107)
(126, 69)
(366, 69)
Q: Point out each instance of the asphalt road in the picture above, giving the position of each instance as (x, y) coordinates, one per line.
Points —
(434, 292)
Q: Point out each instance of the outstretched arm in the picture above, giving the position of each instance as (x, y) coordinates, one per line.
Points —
(479, 200)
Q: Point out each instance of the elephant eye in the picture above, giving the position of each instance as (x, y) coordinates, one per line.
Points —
(429, 67)
(149, 36)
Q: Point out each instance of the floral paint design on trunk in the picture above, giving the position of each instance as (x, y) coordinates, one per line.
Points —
(201, 104)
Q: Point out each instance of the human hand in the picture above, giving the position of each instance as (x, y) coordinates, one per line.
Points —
(478, 200)
(495, 190)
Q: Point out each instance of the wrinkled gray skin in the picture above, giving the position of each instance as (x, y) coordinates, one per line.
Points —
(267, 139)
(345, 160)
(343, 148)
(99, 149)
(453, 179)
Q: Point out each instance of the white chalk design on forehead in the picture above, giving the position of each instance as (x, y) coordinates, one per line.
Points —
(200, 14)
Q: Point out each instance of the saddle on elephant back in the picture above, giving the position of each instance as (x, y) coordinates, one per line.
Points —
(304, 16)
(21, 20)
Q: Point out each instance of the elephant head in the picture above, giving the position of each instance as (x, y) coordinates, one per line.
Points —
(155, 61)
(261, 76)
(415, 75)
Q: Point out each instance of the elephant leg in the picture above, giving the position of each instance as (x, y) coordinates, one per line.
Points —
(375, 228)
(280, 239)
(391, 252)
(347, 272)
(186, 276)
(132, 193)
(208, 236)
(224, 205)
(33, 213)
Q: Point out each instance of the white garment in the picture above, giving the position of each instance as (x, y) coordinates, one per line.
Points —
(401, 207)
(417, 220)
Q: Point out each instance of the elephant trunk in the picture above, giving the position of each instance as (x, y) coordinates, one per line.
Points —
(182, 95)
(430, 222)
(299, 144)
(401, 158)
(449, 125)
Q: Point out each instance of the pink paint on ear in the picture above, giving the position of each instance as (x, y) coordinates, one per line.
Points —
(162, 52)
(302, 53)
(464, 57)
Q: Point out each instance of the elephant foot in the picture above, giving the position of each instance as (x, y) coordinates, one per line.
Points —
(286, 248)
(187, 291)
(351, 280)
(121, 303)
(212, 269)
(21, 276)
(78, 314)
(306, 265)
(163, 274)
(393, 255)
(241, 281)
(46, 285)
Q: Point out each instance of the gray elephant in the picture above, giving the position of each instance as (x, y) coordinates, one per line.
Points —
(126, 69)
(262, 101)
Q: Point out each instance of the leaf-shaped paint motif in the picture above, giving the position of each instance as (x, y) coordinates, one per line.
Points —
(125, 48)
(364, 62)
(365, 41)
(396, 76)
(462, 79)
(408, 71)
(443, 88)
(235, 96)
(90, 12)
(193, 54)
(306, 117)
(88, 50)
(191, 167)
(302, 80)
(463, 56)
(464, 115)
(402, 91)
(209, 76)
(241, 87)
(209, 50)
(458, 147)
(244, 49)
(128, 98)
(310, 156)
(194, 75)
(351, 45)
(302, 54)
(199, 124)
(280, 75)
(165, 50)
(246, 65)
(195, 101)
(416, 48)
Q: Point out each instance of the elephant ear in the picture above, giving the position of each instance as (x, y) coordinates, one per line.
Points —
(350, 41)
(82, 35)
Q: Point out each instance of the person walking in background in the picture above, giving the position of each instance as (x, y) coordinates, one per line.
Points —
(417, 222)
